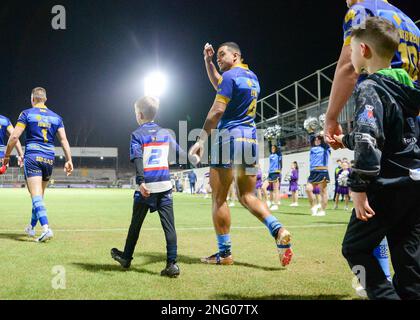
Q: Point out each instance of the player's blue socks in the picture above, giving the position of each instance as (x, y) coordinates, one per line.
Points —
(171, 251)
(381, 254)
(40, 210)
(273, 225)
(34, 219)
(224, 243)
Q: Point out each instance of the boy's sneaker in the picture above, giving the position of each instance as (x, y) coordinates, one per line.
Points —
(219, 259)
(45, 236)
(30, 231)
(231, 204)
(314, 211)
(284, 247)
(117, 255)
(294, 204)
(274, 207)
(171, 270)
(268, 204)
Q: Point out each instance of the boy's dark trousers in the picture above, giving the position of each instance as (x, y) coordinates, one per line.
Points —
(398, 218)
(161, 202)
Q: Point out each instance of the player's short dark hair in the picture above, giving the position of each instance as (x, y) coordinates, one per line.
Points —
(381, 34)
(233, 46)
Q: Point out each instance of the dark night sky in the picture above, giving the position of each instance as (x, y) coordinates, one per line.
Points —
(93, 71)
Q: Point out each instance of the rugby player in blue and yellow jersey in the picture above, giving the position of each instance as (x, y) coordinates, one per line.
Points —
(233, 113)
(345, 79)
(41, 126)
(6, 128)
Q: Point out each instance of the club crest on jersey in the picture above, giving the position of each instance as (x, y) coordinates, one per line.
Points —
(367, 117)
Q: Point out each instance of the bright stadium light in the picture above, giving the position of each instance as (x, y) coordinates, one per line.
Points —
(155, 84)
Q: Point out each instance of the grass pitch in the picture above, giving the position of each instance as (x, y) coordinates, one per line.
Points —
(88, 223)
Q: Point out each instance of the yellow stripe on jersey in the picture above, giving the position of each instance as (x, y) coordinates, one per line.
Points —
(397, 19)
(10, 127)
(223, 99)
(347, 41)
(350, 15)
(21, 125)
(241, 65)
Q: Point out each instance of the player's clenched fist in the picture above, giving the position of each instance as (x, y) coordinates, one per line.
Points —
(208, 52)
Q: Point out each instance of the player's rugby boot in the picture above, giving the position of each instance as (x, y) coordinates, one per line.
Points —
(117, 255)
(30, 231)
(225, 259)
(284, 246)
(45, 236)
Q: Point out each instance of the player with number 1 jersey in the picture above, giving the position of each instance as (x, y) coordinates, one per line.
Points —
(41, 126)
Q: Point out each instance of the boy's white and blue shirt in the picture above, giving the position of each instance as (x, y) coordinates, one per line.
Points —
(154, 145)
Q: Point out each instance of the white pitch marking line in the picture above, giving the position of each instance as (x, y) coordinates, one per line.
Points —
(185, 229)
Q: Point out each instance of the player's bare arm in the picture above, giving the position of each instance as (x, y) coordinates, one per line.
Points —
(345, 79)
(68, 166)
(212, 73)
(215, 114)
(13, 141)
(18, 147)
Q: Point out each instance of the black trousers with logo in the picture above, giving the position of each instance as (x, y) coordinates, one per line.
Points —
(397, 218)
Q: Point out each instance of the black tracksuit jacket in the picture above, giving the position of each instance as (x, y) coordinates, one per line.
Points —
(386, 131)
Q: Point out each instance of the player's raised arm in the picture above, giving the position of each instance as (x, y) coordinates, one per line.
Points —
(212, 73)
(68, 166)
(18, 146)
(12, 143)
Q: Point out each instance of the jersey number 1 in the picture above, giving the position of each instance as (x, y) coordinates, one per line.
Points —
(44, 134)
